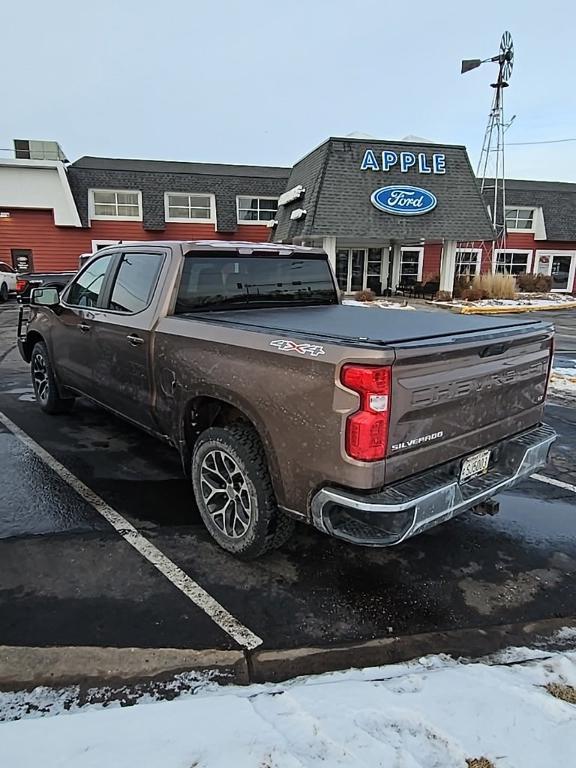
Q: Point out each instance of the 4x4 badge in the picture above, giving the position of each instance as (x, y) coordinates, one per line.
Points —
(285, 345)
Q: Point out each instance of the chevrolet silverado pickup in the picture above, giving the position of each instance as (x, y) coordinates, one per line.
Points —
(285, 405)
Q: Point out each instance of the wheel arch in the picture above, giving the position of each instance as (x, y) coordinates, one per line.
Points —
(32, 338)
(219, 410)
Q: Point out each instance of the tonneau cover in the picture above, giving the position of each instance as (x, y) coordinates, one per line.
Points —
(373, 325)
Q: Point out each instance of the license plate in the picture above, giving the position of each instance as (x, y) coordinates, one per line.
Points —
(475, 465)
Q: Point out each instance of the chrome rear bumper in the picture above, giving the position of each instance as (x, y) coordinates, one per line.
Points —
(402, 510)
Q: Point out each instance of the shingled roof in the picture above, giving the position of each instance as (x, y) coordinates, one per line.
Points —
(557, 200)
(155, 177)
(337, 197)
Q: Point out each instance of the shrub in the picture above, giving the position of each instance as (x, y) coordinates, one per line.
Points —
(534, 283)
(461, 284)
(495, 286)
(543, 283)
(443, 296)
(367, 295)
(473, 294)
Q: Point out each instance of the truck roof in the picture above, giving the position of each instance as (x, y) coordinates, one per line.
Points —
(281, 249)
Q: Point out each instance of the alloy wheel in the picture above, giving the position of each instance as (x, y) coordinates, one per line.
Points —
(40, 377)
(225, 494)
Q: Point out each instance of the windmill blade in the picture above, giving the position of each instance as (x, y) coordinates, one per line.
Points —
(507, 55)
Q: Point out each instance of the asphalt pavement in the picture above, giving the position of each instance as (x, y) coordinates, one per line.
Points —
(73, 574)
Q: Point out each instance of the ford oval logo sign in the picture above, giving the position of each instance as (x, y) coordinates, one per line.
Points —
(403, 200)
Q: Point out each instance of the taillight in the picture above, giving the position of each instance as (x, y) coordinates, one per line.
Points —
(550, 364)
(21, 285)
(367, 429)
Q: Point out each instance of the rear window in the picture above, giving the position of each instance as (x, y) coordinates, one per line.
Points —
(230, 281)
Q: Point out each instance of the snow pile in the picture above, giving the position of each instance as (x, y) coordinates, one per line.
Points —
(381, 303)
(436, 712)
(563, 381)
(521, 300)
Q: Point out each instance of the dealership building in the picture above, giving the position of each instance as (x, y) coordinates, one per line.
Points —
(386, 212)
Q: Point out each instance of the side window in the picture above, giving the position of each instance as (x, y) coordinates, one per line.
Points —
(84, 291)
(6, 268)
(135, 281)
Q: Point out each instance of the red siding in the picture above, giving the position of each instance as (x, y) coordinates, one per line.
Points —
(432, 256)
(526, 241)
(58, 248)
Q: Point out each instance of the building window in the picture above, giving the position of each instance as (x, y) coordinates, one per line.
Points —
(511, 262)
(97, 245)
(468, 262)
(115, 204)
(411, 260)
(187, 207)
(521, 219)
(256, 210)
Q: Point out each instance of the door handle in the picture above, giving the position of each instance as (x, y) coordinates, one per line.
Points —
(84, 327)
(135, 340)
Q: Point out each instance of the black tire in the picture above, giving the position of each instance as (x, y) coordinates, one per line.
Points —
(250, 523)
(44, 383)
(3, 293)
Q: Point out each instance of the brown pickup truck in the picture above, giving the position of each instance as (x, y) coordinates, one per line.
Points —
(370, 424)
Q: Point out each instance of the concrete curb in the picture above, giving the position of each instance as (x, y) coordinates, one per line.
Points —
(463, 310)
(275, 666)
(26, 668)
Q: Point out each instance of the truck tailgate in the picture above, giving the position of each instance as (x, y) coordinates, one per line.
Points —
(452, 397)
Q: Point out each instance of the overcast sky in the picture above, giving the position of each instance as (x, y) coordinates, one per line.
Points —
(264, 82)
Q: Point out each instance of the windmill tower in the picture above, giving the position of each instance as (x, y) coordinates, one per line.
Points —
(491, 165)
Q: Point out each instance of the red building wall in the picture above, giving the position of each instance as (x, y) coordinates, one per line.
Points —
(56, 249)
(432, 257)
(523, 241)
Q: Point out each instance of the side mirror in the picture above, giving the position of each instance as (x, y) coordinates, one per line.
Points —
(45, 297)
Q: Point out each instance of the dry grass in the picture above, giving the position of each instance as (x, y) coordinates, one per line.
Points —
(479, 762)
(564, 692)
(495, 286)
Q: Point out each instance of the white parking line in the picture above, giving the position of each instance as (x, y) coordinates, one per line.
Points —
(193, 591)
(553, 481)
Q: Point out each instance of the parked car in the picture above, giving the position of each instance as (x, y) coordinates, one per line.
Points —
(27, 281)
(285, 405)
(7, 281)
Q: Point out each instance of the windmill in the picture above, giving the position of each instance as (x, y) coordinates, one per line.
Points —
(491, 165)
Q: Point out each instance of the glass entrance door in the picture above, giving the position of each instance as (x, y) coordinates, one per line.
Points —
(342, 257)
(358, 269)
(560, 265)
(561, 271)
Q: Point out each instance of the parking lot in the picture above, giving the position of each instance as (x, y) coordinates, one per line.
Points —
(76, 569)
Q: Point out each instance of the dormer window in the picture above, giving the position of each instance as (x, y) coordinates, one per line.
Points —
(520, 219)
(118, 204)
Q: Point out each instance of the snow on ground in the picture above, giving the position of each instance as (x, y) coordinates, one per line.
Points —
(435, 713)
(381, 303)
(563, 381)
(522, 300)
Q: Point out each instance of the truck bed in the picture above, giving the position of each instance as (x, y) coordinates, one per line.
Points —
(372, 326)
